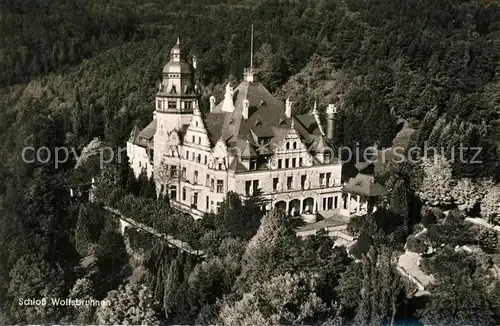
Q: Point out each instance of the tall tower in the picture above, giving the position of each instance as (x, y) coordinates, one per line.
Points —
(175, 99)
(331, 122)
(176, 95)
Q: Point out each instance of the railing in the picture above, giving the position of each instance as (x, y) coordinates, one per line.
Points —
(173, 242)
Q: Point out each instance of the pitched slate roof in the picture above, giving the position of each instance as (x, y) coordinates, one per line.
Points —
(145, 137)
(266, 124)
(133, 135)
(363, 184)
(264, 111)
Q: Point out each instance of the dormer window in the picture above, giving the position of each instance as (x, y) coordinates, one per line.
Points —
(262, 103)
(282, 122)
(258, 123)
(173, 90)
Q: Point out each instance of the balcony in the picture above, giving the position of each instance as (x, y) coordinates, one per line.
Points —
(189, 209)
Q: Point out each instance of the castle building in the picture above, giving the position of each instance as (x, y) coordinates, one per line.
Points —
(248, 141)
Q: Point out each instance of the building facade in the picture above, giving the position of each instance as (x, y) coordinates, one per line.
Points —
(248, 141)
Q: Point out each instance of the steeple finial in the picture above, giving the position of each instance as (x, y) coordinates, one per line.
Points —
(178, 40)
(315, 109)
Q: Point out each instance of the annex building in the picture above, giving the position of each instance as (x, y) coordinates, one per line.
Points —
(249, 140)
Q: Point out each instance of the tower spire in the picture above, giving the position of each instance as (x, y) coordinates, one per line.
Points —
(178, 40)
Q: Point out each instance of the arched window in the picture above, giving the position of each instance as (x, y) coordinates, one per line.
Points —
(287, 145)
(294, 145)
(196, 123)
(193, 138)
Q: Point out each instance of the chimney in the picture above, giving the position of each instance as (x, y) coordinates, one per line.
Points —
(331, 121)
(288, 108)
(246, 106)
(194, 62)
(228, 104)
(212, 103)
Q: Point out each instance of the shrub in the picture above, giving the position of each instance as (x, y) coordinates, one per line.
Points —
(417, 245)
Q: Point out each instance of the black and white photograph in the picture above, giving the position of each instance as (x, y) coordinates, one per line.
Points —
(250, 162)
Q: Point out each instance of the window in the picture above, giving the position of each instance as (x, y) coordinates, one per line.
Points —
(172, 104)
(205, 159)
(248, 185)
(289, 183)
(219, 207)
(328, 176)
(330, 202)
(253, 165)
(287, 163)
(303, 181)
(208, 181)
(294, 145)
(173, 171)
(280, 165)
(173, 192)
(158, 104)
(255, 186)
(220, 166)
(207, 203)
(184, 173)
(300, 161)
(294, 162)
(199, 140)
(187, 155)
(275, 183)
(321, 178)
(196, 123)
(195, 199)
(192, 157)
(212, 184)
(287, 145)
(195, 179)
(193, 138)
(139, 163)
(173, 90)
(183, 194)
(220, 186)
(198, 158)
(188, 105)
(328, 158)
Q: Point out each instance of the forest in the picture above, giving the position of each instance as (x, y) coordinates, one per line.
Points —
(74, 71)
